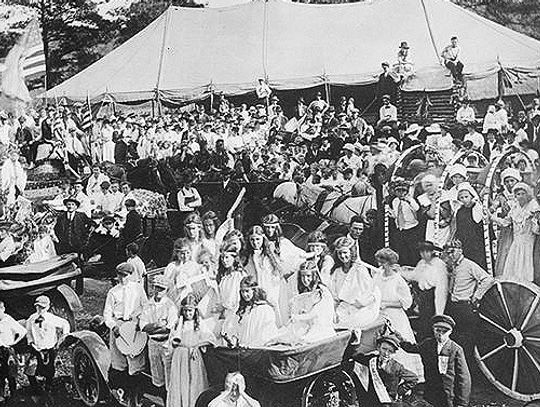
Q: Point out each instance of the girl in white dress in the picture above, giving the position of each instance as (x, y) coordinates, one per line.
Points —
(357, 300)
(230, 274)
(312, 310)
(188, 372)
(180, 270)
(318, 245)
(264, 266)
(254, 324)
(395, 299)
(524, 218)
(43, 246)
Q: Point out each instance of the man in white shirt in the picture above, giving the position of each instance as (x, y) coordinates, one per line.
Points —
(43, 339)
(11, 333)
(124, 304)
(501, 115)
(387, 113)
(465, 113)
(451, 55)
(139, 269)
(158, 319)
(474, 137)
(94, 182)
(104, 200)
(349, 159)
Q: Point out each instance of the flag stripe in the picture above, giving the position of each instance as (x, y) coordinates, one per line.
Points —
(38, 69)
(33, 64)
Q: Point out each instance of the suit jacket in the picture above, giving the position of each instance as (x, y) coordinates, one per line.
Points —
(132, 228)
(120, 152)
(395, 377)
(72, 235)
(445, 390)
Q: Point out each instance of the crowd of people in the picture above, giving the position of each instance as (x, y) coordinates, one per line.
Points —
(256, 288)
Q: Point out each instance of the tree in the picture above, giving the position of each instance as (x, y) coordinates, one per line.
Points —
(520, 15)
(141, 13)
(75, 34)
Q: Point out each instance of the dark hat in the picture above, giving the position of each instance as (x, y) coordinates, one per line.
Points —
(443, 320)
(404, 45)
(108, 219)
(385, 63)
(130, 202)
(75, 201)
(391, 339)
(385, 97)
(125, 269)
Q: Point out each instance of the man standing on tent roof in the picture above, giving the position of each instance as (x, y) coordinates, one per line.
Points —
(451, 55)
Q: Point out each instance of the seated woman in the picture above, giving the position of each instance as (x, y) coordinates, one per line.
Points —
(254, 324)
(356, 298)
(43, 246)
(312, 310)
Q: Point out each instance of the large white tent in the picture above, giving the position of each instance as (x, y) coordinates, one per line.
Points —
(188, 53)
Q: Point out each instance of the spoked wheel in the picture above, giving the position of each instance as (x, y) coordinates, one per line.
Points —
(334, 388)
(86, 376)
(508, 346)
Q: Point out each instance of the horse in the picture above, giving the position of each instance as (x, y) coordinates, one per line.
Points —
(332, 206)
(145, 175)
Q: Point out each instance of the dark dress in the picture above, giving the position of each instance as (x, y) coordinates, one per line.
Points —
(471, 235)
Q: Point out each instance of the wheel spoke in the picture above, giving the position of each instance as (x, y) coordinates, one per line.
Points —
(532, 339)
(533, 360)
(516, 369)
(493, 323)
(493, 352)
(530, 312)
(505, 305)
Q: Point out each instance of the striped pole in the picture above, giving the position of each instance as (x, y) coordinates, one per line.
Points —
(386, 225)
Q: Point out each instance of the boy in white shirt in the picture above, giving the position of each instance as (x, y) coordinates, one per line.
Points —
(11, 333)
(43, 340)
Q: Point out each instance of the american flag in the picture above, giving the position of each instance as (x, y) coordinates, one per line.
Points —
(86, 122)
(34, 56)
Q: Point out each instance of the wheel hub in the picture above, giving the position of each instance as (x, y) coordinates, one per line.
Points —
(514, 338)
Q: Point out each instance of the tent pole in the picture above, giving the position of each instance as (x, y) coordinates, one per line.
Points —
(327, 91)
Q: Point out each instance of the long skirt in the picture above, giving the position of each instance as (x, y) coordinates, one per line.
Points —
(188, 377)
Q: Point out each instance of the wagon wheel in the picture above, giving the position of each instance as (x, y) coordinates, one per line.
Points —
(334, 388)
(86, 377)
(509, 350)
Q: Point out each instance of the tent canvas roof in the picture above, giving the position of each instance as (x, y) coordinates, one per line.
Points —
(187, 53)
